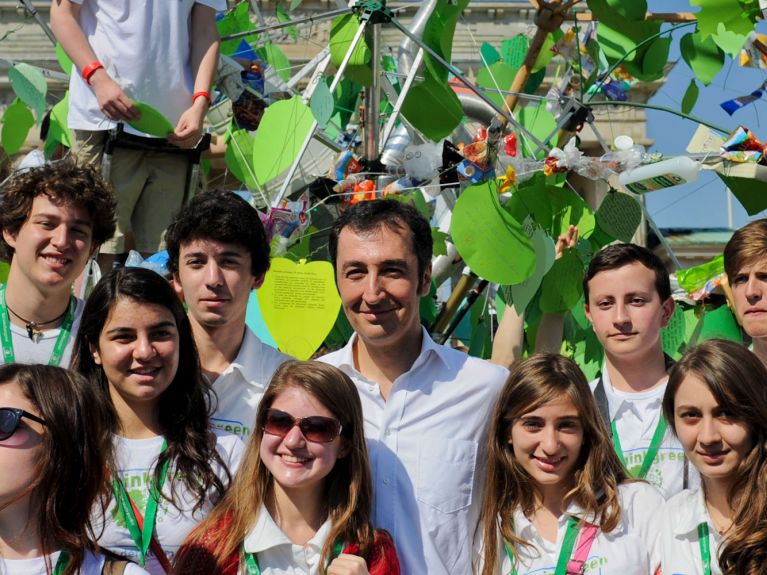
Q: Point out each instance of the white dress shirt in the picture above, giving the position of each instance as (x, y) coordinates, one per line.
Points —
(242, 384)
(636, 416)
(680, 549)
(277, 554)
(427, 446)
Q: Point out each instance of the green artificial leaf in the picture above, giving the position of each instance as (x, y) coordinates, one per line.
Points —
(29, 85)
(545, 55)
(619, 215)
(522, 293)
(730, 42)
(280, 136)
(489, 54)
(720, 323)
(433, 109)
(276, 58)
(346, 97)
(629, 9)
(538, 121)
(751, 193)
(673, 336)
(63, 58)
(561, 288)
(486, 248)
(295, 4)
(5, 268)
(654, 58)
(439, 241)
(514, 50)
(235, 20)
(534, 81)
(151, 121)
(498, 76)
(282, 17)
(690, 97)
(728, 13)
(704, 57)
(239, 158)
(58, 131)
(438, 35)
(322, 103)
(342, 33)
(17, 121)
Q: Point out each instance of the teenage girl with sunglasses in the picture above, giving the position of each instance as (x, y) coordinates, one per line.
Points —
(51, 472)
(716, 403)
(300, 502)
(557, 498)
(167, 467)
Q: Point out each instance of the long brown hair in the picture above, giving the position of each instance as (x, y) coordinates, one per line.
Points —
(534, 382)
(738, 381)
(70, 474)
(348, 490)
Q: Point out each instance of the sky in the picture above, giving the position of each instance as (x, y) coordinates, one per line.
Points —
(701, 204)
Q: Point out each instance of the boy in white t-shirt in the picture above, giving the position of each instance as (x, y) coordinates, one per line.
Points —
(53, 218)
(745, 262)
(218, 254)
(628, 302)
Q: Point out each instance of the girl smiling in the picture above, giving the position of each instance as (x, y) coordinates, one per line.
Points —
(716, 403)
(557, 498)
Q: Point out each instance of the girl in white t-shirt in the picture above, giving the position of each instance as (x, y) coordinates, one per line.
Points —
(52, 465)
(716, 403)
(557, 498)
(168, 468)
(300, 503)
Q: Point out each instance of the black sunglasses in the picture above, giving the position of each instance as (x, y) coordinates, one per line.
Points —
(9, 420)
(315, 428)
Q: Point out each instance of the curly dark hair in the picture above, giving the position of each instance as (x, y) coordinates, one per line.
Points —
(221, 216)
(185, 407)
(65, 181)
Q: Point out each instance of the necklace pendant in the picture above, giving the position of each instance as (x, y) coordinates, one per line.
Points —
(33, 332)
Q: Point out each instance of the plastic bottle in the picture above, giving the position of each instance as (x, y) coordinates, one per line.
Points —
(660, 175)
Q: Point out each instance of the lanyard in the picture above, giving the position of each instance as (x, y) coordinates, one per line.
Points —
(61, 564)
(141, 537)
(564, 553)
(652, 451)
(251, 561)
(705, 550)
(61, 342)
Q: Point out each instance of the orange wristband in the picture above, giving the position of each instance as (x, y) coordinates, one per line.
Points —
(90, 69)
(202, 94)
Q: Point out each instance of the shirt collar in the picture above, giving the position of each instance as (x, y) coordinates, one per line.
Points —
(615, 403)
(248, 357)
(345, 355)
(266, 534)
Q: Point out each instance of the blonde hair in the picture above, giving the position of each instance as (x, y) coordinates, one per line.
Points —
(534, 382)
(348, 487)
(746, 246)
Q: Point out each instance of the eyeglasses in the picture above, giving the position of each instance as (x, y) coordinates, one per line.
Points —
(315, 428)
(9, 420)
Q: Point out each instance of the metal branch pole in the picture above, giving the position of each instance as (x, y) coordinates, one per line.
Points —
(336, 80)
(373, 99)
(465, 81)
(326, 16)
(402, 95)
(32, 11)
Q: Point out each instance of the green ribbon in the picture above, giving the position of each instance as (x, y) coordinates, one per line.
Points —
(652, 451)
(61, 342)
(141, 537)
(61, 564)
(705, 550)
(251, 561)
(571, 535)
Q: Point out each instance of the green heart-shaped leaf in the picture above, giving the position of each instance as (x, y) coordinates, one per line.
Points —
(29, 84)
(704, 57)
(619, 215)
(151, 121)
(17, 121)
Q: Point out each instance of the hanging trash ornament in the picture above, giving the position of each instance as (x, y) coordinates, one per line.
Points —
(742, 146)
(346, 164)
(510, 144)
(286, 221)
(508, 180)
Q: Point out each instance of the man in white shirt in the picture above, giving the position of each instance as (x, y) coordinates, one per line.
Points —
(628, 302)
(163, 54)
(218, 253)
(426, 406)
(745, 262)
(53, 218)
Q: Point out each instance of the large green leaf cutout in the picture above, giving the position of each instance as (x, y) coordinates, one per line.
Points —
(151, 121)
(235, 20)
(491, 242)
(751, 193)
(703, 57)
(730, 42)
(342, 33)
(619, 215)
(498, 76)
(514, 50)
(561, 288)
(433, 108)
(30, 86)
(438, 34)
(629, 9)
(17, 121)
(239, 158)
(59, 132)
(690, 97)
(282, 132)
(673, 336)
(727, 12)
(540, 123)
(720, 323)
(63, 58)
(523, 293)
(322, 103)
(489, 54)
(276, 58)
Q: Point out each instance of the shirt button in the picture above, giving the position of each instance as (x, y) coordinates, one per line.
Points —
(386, 481)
